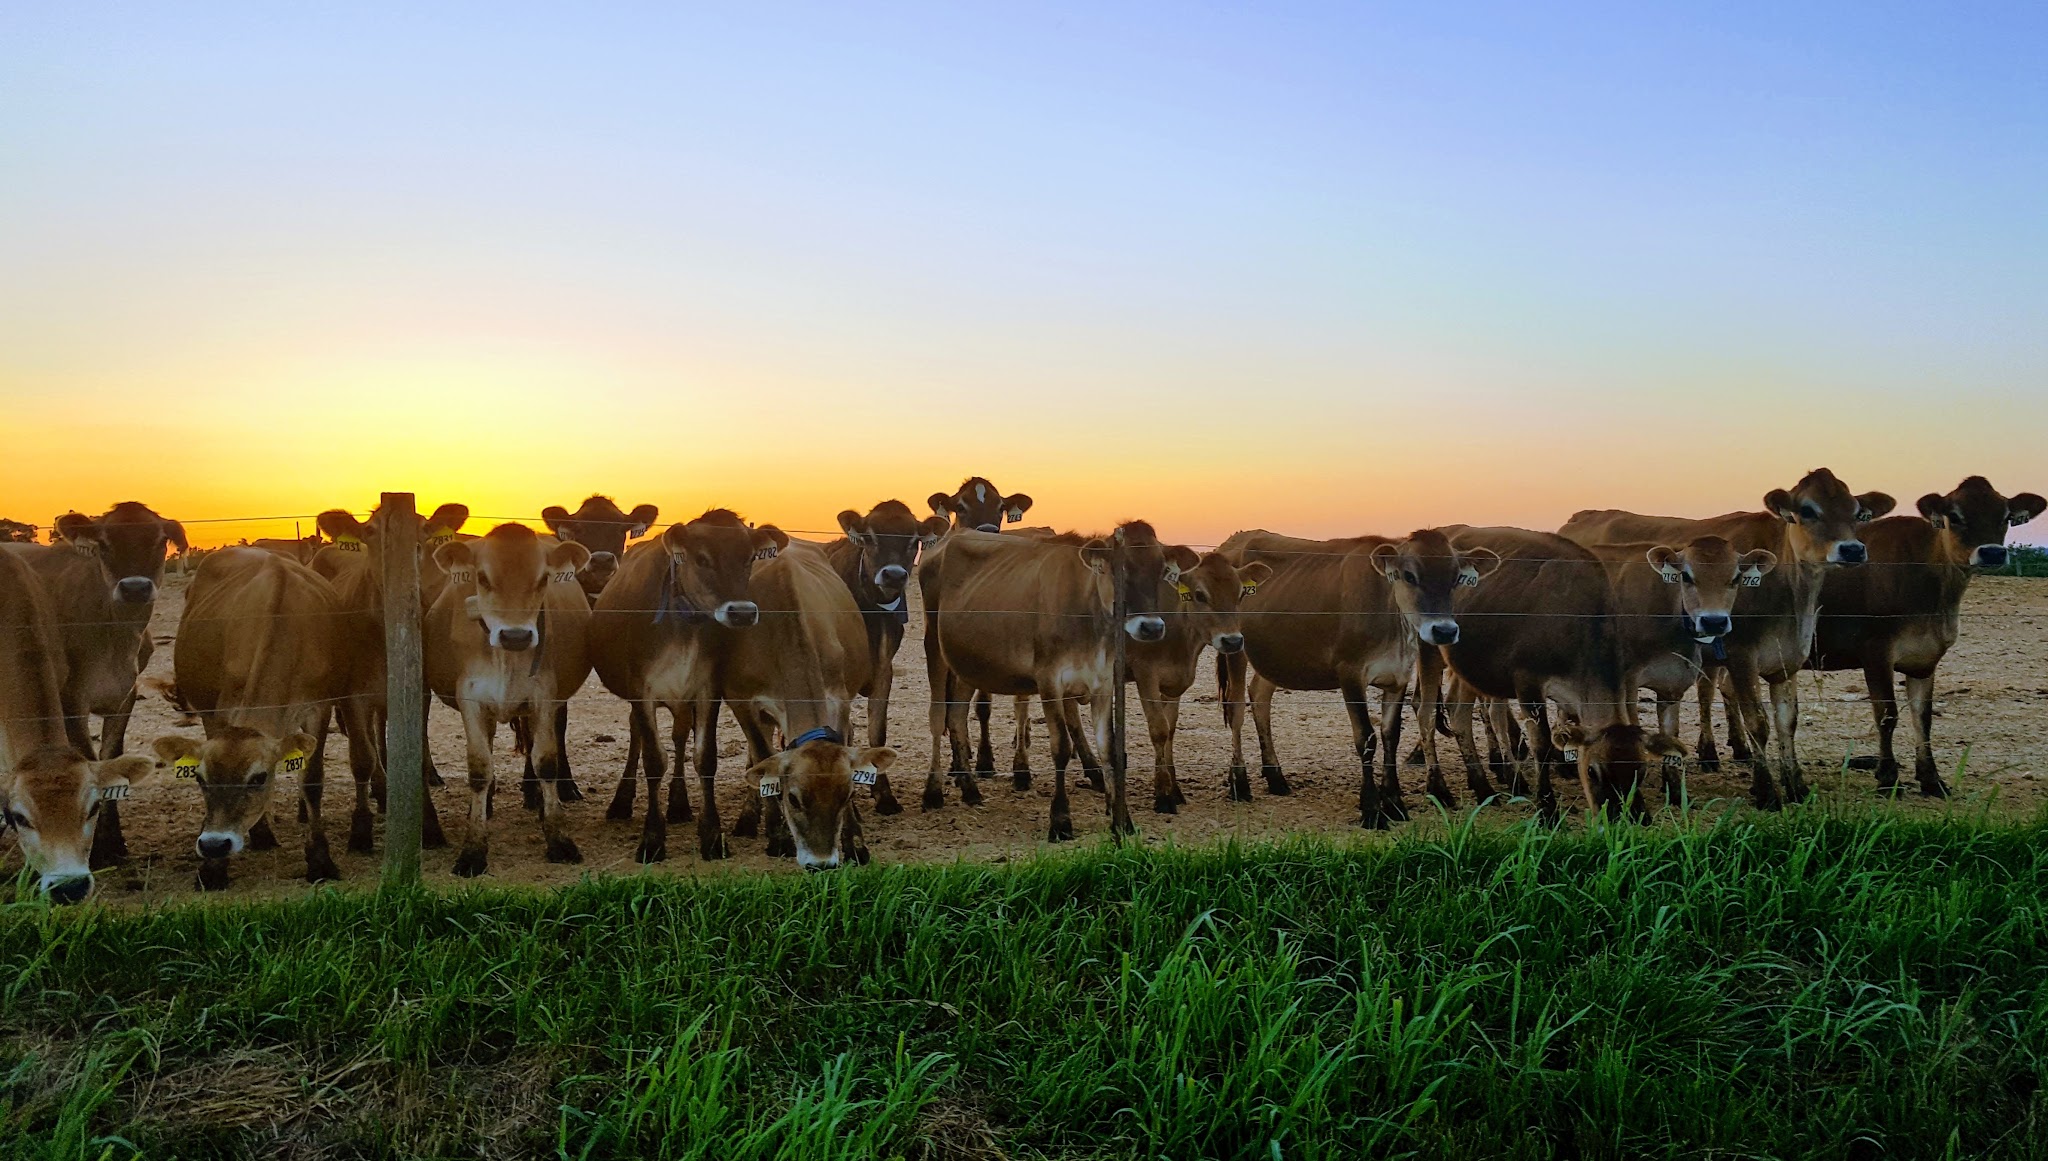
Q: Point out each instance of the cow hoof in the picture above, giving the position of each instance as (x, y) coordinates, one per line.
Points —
(1372, 819)
(888, 805)
(1933, 788)
(748, 826)
(431, 837)
(1276, 781)
(529, 794)
(781, 846)
(471, 863)
(1416, 757)
(563, 850)
(970, 794)
(1442, 796)
(619, 811)
(1238, 787)
(1766, 802)
(861, 857)
(434, 779)
(1164, 804)
(678, 811)
(213, 876)
(932, 800)
(321, 869)
(1020, 779)
(1179, 796)
(1062, 831)
(712, 849)
(361, 838)
(1482, 791)
(651, 851)
(1094, 777)
(567, 790)
(1866, 762)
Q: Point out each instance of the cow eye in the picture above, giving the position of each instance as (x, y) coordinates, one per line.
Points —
(1201, 598)
(796, 800)
(21, 820)
(259, 777)
(483, 583)
(1686, 577)
(703, 560)
(1409, 577)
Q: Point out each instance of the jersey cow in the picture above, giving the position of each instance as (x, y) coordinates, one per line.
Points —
(1901, 614)
(874, 561)
(1814, 526)
(101, 580)
(980, 506)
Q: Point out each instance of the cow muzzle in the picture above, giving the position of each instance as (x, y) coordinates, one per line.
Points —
(515, 640)
(67, 888)
(218, 844)
(1988, 556)
(738, 614)
(1849, 552)
(1712, 625)
(1438, 631)
(1230, 642)
(890, 577)
(1146, 627)
(811, 862)
(135, 590)
(988, 528)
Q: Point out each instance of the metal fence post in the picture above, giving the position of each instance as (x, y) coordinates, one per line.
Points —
(405, 691)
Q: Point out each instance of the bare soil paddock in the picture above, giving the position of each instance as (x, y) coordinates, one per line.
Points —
(1992, 692)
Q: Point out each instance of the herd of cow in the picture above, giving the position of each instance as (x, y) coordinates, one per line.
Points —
(282, 640)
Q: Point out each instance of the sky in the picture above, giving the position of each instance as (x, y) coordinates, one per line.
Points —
(1326, 269)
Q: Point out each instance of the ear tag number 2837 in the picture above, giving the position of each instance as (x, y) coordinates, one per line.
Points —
(186, 767)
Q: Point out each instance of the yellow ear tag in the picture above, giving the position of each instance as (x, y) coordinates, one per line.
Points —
(1186, 593)
(438, 536)
(293, 762)
(186, 767)
(1247, 588)
(348, 543)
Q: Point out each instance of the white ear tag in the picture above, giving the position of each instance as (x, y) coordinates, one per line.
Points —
(462, 575)
(110, 793)
(186, 768)
(1468, 578)
(1669, 574)
(1671, 760)
(564, 577)
(865, 775)
(771, 787)
(1172, 574)
(1571, 756)
(1015, 515)
(1752, 580)
(766, 553)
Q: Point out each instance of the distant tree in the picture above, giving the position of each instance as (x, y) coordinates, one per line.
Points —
(15, 532)
(2024, 560)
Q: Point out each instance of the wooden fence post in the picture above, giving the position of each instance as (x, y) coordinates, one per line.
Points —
(405, 692)
(1119, 568)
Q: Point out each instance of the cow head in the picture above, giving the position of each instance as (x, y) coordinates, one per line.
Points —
(977, 504)
(814, 783)
(1209, 594)
(1826, 519)
(599, 526)
(130, 542)
(1710, 575)
(237, 770)
(1150, 569)
(889, 537)
(1426, 572)
(512, 570)
(370, 536)
(1614, 759)
(712, 560)
(53, 798)
(1976, 517)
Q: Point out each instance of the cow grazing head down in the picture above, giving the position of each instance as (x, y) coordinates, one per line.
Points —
(1425, 572)
(237, 771)
(1826, 518)
(1150, 567)
(369, 536)
(599, 526)
(1210, 594)
(814, 784)
(979, 505)
(53, 798)
(1614, 760)
(512, 570)
(1710, 575)
(711, 562)
(1977, 517)
(130, 541)
(889, 538)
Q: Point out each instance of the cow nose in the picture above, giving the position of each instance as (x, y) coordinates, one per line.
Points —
(738, 614)
(1146, 628)
(135, 589)
(1991, 556)
(602, 562)
(1851, 552)
(517, 640)
(1443, 633)
(213, 847)
(1230, 643)
(69, 890)
(1713, 624)
(988, 528)
(892, 576)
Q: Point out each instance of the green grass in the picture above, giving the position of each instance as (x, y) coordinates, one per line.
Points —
(1796, 987)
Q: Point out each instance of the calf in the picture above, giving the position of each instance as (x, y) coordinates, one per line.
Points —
(1544, 626)
(53, 794)
(981, 506)
(507, 641)
(1901, 614)
(1018, 616)
(1810, 528)
(874, 561)
(1346, 615)
(659, 636)
(101, 579)
(257, 661)
(815, 775)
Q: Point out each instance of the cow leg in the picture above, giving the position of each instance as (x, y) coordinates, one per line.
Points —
(1704, 750)
(554, 821)
(964, 778)
(1747, 744)
(1879, 679)
(1020, 745)
(1429, 687)
(644, 741)
(1062, 828)
(984, 754)
(1668, 702)
(621, 808)
(1363, 743)
(565, 782)
(878, 721)
(1543, 750)
(1746, 715)
(312, 785)
(1161, 715)
(1092, 757)
(1099, 713)
(1260, 695)
(1230, 689)
(1393, 807)
(703, 720)
(852, 839)
(432, 775)
(361, 763)
(1785, 718)
(1463, 709)
(522, 742)
(261, 836)
(109, 845)
(1512, 744)
(479, 729)
(1920, 715)
(680, 737)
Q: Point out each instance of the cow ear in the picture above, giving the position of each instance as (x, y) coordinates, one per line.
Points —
(1476, 565)
(127, 770)
(854, 525)
(1568, 734)
(941, 504)
(171, 747)
(1663, 745)
(450, 516)
(1254, 574)
(2024, 507)
(768, 542)
(76, 528)
(337, 524)
(676, 537)
(1934, 507)
(1387, 559)
(1182, 557)
(1095, 554)
(643, 517)
(1015, 505)
(567, 554)
(175, 533)
(932, 529)
(1756, 563)
(454, 555)
(553, 515)
(1780, 501)
(877, 757)
(1872, 505)
(1665, 560)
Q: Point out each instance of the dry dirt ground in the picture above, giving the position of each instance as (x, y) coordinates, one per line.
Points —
(1991, 691)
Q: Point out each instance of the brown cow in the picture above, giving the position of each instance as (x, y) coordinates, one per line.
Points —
(257, 660)
(598, 525)
(816, 775)
(659, 635)
(101, 579)
(1673, 606)
(302, 549)
(1901, 614)
(1343, 614)
(507, 641)
(799, 670)
(54, 796)
(1809, 528)
(1544, 627)
(1017, 616)
(981, 506)
(874, 561)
